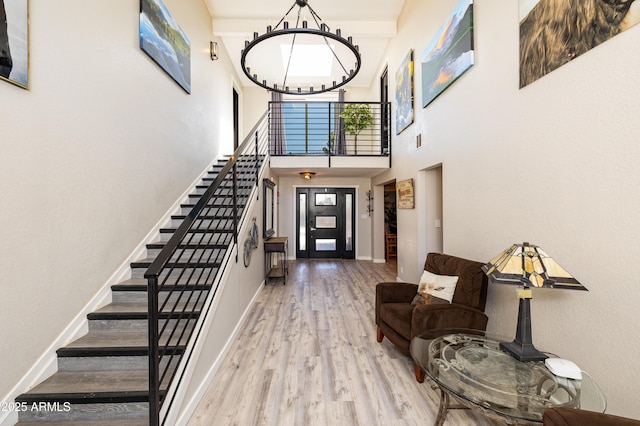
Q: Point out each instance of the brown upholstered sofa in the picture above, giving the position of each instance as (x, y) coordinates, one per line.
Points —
(400, 321)
(574, 417)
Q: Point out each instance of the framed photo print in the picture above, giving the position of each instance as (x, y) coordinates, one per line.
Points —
(164, 41)
(14, 42)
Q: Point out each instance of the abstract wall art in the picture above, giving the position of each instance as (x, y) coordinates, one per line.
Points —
(450, 54)
(404, 94)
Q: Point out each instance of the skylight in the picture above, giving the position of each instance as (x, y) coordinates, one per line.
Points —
(307, 60)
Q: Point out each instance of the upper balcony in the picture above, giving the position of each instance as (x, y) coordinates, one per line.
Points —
(331, 138)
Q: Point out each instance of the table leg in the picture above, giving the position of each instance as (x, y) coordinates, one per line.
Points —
(442, 409)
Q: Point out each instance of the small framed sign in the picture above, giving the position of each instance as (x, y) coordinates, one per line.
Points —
(404, 189)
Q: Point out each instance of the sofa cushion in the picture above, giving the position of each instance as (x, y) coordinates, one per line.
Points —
(398, 317)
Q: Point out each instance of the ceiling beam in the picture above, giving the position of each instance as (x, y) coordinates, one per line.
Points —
(246, 27)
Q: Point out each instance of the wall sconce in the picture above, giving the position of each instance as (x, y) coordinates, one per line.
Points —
(307, 175)
(213, 50)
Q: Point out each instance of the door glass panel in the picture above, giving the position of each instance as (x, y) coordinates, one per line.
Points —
(302, 220)
(326, 199)
(326, 222)
(326, 244)
(348, 222)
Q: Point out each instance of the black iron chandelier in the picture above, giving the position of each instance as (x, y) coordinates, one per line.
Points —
(300, 60)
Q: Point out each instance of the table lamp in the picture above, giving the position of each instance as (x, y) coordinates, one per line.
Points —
(528, 266)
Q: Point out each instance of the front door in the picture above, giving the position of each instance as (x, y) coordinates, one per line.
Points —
(325, 223)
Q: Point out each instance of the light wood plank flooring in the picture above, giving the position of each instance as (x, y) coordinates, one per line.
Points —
(307, 355)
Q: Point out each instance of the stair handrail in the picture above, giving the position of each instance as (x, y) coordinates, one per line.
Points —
(162, 259)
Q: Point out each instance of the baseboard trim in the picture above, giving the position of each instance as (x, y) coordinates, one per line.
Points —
(192, 405)
(46, 365)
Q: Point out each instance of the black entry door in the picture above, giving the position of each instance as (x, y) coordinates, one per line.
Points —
(325, 223)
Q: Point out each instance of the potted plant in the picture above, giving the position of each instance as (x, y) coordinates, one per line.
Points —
(357, 117)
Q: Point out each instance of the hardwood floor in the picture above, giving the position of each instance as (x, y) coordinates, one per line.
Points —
(307, 355)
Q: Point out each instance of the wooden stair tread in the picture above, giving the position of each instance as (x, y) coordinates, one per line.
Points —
(197, 231)
(140, 284)
(145, 263)
(91, 386)
(138, 310)
(131, 422)
(117, 339)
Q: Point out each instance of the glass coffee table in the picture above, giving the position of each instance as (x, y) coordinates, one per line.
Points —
(469, 367)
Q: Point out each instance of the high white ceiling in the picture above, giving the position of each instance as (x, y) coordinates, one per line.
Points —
(371, 23)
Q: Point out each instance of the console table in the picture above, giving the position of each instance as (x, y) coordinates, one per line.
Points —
(279, 247)
(470, 368)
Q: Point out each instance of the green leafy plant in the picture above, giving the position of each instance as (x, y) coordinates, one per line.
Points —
(329, 148)
(357, 117)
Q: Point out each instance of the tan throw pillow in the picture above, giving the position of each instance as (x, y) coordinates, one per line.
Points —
(440, 286)
(421, 299)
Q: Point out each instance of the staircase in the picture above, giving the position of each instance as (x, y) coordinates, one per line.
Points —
(103, 377)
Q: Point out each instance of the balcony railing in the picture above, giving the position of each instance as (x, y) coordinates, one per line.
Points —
(329, 129)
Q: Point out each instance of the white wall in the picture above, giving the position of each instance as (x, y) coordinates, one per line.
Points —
(554, 164)
(256, 104)
(92, 156)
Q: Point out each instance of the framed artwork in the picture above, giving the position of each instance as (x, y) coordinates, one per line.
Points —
(404, 94)
(404, 189)
(554, 32)
(14, 42)
(450, 53)
(164, 41)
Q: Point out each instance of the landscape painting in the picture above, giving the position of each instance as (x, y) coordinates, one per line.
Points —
(404, 94)
(554, 32)
(164, 41)
(14, 42)
(450, 53)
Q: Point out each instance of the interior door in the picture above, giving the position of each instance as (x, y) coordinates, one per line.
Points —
(326, 223)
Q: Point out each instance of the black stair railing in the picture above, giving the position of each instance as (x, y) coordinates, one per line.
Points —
(188, 268)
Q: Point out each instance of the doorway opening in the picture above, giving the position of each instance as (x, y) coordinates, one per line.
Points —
(390, 223)
(325, 223)
(384, 102)
(433, 211)
(236, 119)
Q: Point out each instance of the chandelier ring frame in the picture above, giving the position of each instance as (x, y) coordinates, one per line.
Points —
(294, 31)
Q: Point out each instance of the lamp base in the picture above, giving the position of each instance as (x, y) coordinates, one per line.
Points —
(523, 351)
(522, 347)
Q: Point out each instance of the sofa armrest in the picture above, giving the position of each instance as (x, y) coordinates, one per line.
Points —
(442, 316)
(574, 417)
(393, 292)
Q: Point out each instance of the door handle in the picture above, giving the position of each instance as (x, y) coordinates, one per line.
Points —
(312, 229)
